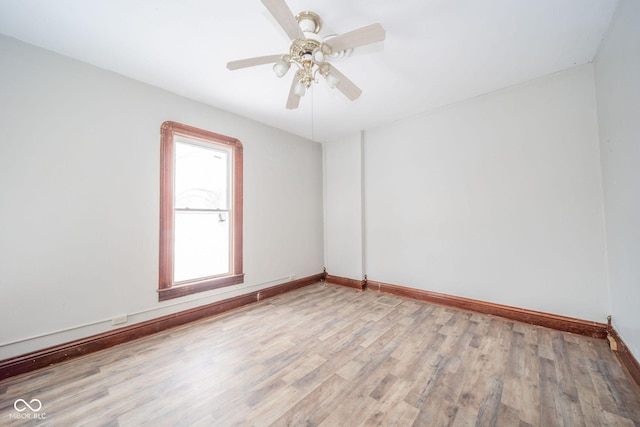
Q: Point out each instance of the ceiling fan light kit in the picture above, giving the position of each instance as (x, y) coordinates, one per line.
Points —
(310, 53)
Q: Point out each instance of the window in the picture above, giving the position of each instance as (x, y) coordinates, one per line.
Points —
(200, 211)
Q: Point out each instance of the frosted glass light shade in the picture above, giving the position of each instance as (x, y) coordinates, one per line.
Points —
(299, 89)
(332, 80)
(318, 56)
(281, 68)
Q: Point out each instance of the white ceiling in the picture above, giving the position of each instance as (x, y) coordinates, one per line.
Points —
(436, 51)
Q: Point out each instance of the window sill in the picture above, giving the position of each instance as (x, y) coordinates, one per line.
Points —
(194, 287)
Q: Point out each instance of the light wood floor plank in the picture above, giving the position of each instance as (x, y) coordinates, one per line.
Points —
(327, 355)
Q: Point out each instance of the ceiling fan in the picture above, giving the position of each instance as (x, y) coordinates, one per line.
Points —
(310, 53)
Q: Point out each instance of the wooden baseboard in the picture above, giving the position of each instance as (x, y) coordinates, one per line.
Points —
(625, 356)
(288, 286)
(553, 321)
(42, 358)
(343, 281)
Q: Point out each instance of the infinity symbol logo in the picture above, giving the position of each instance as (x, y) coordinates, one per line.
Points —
(25, 405)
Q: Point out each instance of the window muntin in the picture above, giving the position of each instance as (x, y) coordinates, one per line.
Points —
(201, 211)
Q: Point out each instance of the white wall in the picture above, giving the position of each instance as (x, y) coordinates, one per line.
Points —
(79, 171)
(617, 71)
(497, 198)
(343, 207)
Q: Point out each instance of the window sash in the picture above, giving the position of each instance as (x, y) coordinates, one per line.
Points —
(196, 175)
(202, 243)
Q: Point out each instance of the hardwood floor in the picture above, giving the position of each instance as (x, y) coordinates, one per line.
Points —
(332, 356)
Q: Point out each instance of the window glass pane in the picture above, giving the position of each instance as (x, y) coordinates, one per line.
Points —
(201, 245)
(201, 177)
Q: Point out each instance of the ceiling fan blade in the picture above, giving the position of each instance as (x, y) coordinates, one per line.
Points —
(250, 62)
(282, 14)
(293, 100)
(359, 37)
(346, 86)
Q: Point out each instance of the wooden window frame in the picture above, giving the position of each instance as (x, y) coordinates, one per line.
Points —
(167, 289)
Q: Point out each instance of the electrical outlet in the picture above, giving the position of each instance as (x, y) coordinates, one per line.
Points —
(292, 276)
(118, 320)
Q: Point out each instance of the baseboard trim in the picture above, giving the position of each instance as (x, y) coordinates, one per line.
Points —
(553, 321)
(42, 358)
(625, 356)
(344, 281)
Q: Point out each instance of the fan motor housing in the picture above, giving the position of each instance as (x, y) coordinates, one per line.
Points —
(300, 48)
